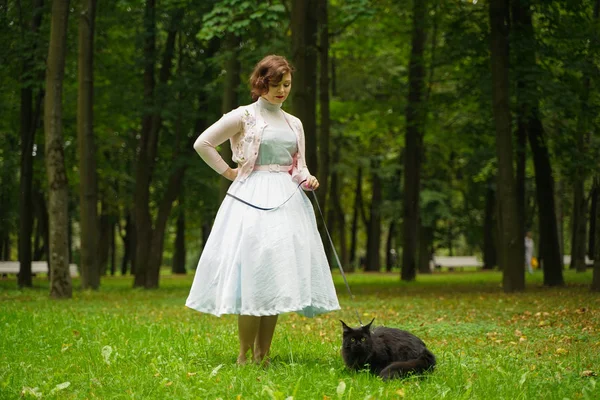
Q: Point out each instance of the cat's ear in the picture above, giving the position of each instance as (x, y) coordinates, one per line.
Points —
(346, 327)
(368, 326)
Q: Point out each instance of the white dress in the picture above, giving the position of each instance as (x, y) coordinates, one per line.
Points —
(259, 262)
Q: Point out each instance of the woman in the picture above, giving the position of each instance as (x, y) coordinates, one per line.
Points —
(261, 263)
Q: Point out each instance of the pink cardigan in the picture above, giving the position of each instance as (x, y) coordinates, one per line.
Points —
(243, 127)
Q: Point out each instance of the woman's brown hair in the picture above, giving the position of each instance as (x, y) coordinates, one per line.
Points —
(269, 69)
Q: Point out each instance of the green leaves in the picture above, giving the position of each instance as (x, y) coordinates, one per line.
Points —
(238, 17)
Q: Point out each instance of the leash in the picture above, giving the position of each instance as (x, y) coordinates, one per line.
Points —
(263, 208)
(337, 258)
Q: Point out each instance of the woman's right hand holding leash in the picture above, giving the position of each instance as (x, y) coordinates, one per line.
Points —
(311, 183)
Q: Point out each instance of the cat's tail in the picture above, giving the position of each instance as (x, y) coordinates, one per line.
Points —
(397, 369)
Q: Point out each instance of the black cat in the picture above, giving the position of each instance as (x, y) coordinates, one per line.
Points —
(388, 352)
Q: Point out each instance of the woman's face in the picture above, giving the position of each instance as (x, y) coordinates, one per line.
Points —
(279, 91)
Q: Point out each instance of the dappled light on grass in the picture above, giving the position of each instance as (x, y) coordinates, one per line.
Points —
(119, 342)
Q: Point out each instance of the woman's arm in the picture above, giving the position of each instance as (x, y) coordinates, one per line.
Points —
(300, 171)
(222, 130)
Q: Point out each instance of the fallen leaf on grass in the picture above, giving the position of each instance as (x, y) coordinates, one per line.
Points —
(538, 314)
(35, 392)
(588, 373)
(191, 373)
(561, 351)
(60, 386)
(215, 371)
(400, 392)
(106, 352)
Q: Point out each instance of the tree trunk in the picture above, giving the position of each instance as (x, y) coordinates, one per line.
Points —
(230, 100)
(390, 256)
(578, 222)
(179, 253)
(113, 249)
(374, 225)
(558, 201)
(425, 242)
(60, 286)
(88, 192)
(544, 182)
(596, 271)
(70, 233)
(103, 240)
(338, 212)
(415, 121)
(521, 155)
(29, 123)
(145, 159)
(127, 245)
(529, 112)
(511, 244)
(146, 258)
(304, 95)
(133, 246)
(490, 229)
(42, 229)
(164, 210)
(593, 209)
(175, 180)
(355, 215)
(5, 247)
(324, 134)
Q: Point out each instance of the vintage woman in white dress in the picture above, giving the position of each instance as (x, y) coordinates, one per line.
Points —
(256, 263)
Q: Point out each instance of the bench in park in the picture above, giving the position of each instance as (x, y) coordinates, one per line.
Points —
(37, 267)
(567, 260)
(454, 262)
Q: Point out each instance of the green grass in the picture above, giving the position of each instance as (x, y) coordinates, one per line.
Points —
(121, 343)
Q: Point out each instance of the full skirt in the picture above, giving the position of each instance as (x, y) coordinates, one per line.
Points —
(259, 262)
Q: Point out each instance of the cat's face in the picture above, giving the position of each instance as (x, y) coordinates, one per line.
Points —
(357, 340)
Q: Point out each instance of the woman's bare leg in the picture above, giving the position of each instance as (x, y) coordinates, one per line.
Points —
(248, 330)
(264, 337)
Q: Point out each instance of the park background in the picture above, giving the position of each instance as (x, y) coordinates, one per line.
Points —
(435, 128)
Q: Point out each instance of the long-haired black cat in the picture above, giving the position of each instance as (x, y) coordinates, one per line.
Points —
(387, 352)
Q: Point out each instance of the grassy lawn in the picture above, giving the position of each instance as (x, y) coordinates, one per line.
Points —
(121, 343)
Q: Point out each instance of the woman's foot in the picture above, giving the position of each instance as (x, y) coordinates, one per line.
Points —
(262, 361)
(242, 360)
